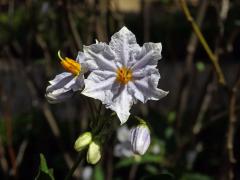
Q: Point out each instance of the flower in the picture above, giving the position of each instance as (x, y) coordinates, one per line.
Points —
(65, 84)
(140, 139)
(123, 148)
(94, 152)
(82, 141)
(123, 72)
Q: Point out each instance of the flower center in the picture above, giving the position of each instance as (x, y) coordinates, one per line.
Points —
(124, 75)
(70, 65)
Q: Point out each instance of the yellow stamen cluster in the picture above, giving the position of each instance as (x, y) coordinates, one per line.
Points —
(124, 75)
(70, 65)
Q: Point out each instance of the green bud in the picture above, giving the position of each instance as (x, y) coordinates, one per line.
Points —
(94, 152)
(82, 141)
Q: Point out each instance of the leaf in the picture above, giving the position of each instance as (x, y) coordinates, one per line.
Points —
(44, 173)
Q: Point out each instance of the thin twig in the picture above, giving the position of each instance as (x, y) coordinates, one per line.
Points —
(72, 26)
(3, 160)
(213, 58)
(188, 76)
(133, 171)
(231, 130)
(76, 164)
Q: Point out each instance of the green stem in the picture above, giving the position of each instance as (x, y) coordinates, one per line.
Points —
(140, 120)
(213, 58)
(72, 170)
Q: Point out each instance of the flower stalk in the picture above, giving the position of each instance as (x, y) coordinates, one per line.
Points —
(213, 58)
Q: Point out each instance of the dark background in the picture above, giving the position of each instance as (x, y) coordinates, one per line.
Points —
(191, 124)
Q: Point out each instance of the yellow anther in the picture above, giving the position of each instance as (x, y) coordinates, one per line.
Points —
(70, 65)
(124, 75)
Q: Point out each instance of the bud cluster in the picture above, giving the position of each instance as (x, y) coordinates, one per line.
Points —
(94, 148)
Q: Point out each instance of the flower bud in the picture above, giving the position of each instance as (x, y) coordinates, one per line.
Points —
(82, 141)
(140, 139)
(94, 152)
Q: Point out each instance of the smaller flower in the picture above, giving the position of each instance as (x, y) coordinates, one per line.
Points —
(94, 152)
(83, 141)
(140, 139)
(65, 84)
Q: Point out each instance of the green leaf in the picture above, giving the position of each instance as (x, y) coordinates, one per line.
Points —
(44, 173)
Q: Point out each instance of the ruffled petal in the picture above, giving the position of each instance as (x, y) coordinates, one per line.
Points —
(148, 56)
(81, 58)
(59, 97)
(60, 77)
(124, 43)
(59, 81)
(145, 88)
(122, 104)
(63, 87)
(100, 56)
(98, 85)
(79, 83)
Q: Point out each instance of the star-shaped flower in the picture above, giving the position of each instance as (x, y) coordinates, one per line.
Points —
(123, 72)
(65, 84)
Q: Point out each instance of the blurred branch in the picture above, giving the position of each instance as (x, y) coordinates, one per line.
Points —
(204, 107)
(80, 157)
(101, 19)
(72, 26)
(21, 152)
(145, 7)
(188, 76)
(133, 171)
(43, 44)
(213, 58)
(3, 160)
(231, 129)
(8, 123)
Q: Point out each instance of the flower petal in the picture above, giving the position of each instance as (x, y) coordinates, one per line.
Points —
(63, 87)
(79, 83)
(124, 43)
(145, 88)
(59, 77)
(122, 104)
(81, 57)
(98, 86)
(57, 98)
(100, 56)
(149, 55)
(59, 81)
